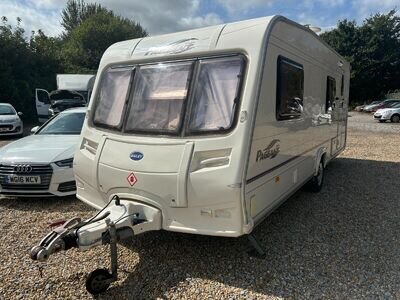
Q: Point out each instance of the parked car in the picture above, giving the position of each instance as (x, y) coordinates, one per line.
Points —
(386, 114)
(61, 100)
(41, 164)
(383, 104)
(372, 105)
(80, 83)
(10, 121)
(361, 107)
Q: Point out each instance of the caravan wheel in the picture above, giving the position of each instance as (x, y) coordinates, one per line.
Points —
(98, 281)
(315, 184)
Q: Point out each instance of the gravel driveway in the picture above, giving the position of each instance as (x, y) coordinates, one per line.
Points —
(342, 243)
(365, 122)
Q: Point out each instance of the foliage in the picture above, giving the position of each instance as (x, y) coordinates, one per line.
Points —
(86, 44)
(373, 49)
(32, 62)
(23, 66)
(77, 11)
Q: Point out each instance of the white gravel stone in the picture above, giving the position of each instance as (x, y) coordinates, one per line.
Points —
(342, 243)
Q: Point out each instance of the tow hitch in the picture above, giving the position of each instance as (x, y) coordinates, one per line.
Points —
(118, 220)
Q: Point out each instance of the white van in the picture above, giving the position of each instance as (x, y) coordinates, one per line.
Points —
(79, 83)
(207, 131)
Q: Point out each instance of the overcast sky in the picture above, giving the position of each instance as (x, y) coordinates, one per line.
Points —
(162, 16)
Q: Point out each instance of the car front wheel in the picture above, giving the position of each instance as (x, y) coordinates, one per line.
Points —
(395, 119)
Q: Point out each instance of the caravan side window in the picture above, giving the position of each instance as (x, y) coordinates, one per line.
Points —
(112, 97)
(330, 93)
(290, 90)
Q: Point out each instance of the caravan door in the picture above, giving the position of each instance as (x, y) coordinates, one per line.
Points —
(42, 100)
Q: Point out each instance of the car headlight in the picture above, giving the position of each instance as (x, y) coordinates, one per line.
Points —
(65, 163)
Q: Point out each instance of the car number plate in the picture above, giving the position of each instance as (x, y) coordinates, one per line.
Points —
(18, 179)
(3, 129)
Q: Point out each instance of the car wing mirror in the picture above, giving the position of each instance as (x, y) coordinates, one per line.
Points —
(19, 113)
(34, 129)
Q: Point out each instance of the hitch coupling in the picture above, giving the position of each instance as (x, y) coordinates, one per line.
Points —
(118, 220)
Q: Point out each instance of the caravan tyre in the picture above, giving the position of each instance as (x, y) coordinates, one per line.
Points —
(316, 182)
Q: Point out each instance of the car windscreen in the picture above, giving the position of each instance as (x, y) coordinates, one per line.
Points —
(393, 103)
(64, 123)
(183, 97)
(6, 110)
(396, 105)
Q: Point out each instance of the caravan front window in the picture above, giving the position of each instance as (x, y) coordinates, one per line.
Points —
(112, 97)
(216, 94)
(158, 97)
(196, 96)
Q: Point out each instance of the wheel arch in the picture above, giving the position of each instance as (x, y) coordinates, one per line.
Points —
(320, 156)
(395, 114)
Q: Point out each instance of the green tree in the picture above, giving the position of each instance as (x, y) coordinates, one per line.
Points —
(29, 63)
(77, 11)
(86, 44)
(373, 49)
(24, 65)
(15, 60)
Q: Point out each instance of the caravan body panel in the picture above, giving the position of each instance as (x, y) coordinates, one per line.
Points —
(203, 182)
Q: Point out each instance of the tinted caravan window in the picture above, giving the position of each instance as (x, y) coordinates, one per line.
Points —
(216, 95)
(158, 98)
(330, 92)
(112, 97)
(290, 90)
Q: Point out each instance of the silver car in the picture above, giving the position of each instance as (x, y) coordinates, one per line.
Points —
(386, 114)
(10, 121)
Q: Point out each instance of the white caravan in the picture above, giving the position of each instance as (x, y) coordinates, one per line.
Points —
(81, 83)
(205, 132)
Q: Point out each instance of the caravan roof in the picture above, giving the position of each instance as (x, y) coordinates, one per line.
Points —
(247, 36)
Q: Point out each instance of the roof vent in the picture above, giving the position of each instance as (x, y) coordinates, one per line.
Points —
(316, 29)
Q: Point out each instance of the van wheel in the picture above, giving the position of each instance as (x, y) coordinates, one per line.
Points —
(395, 119)
(316, 182)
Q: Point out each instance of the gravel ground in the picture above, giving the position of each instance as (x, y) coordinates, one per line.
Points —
(342, 243)
(365, 122)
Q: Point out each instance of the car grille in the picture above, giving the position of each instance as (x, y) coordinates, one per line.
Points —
(45, 172)
(8, 127)
(67, 186)
(377, 116)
